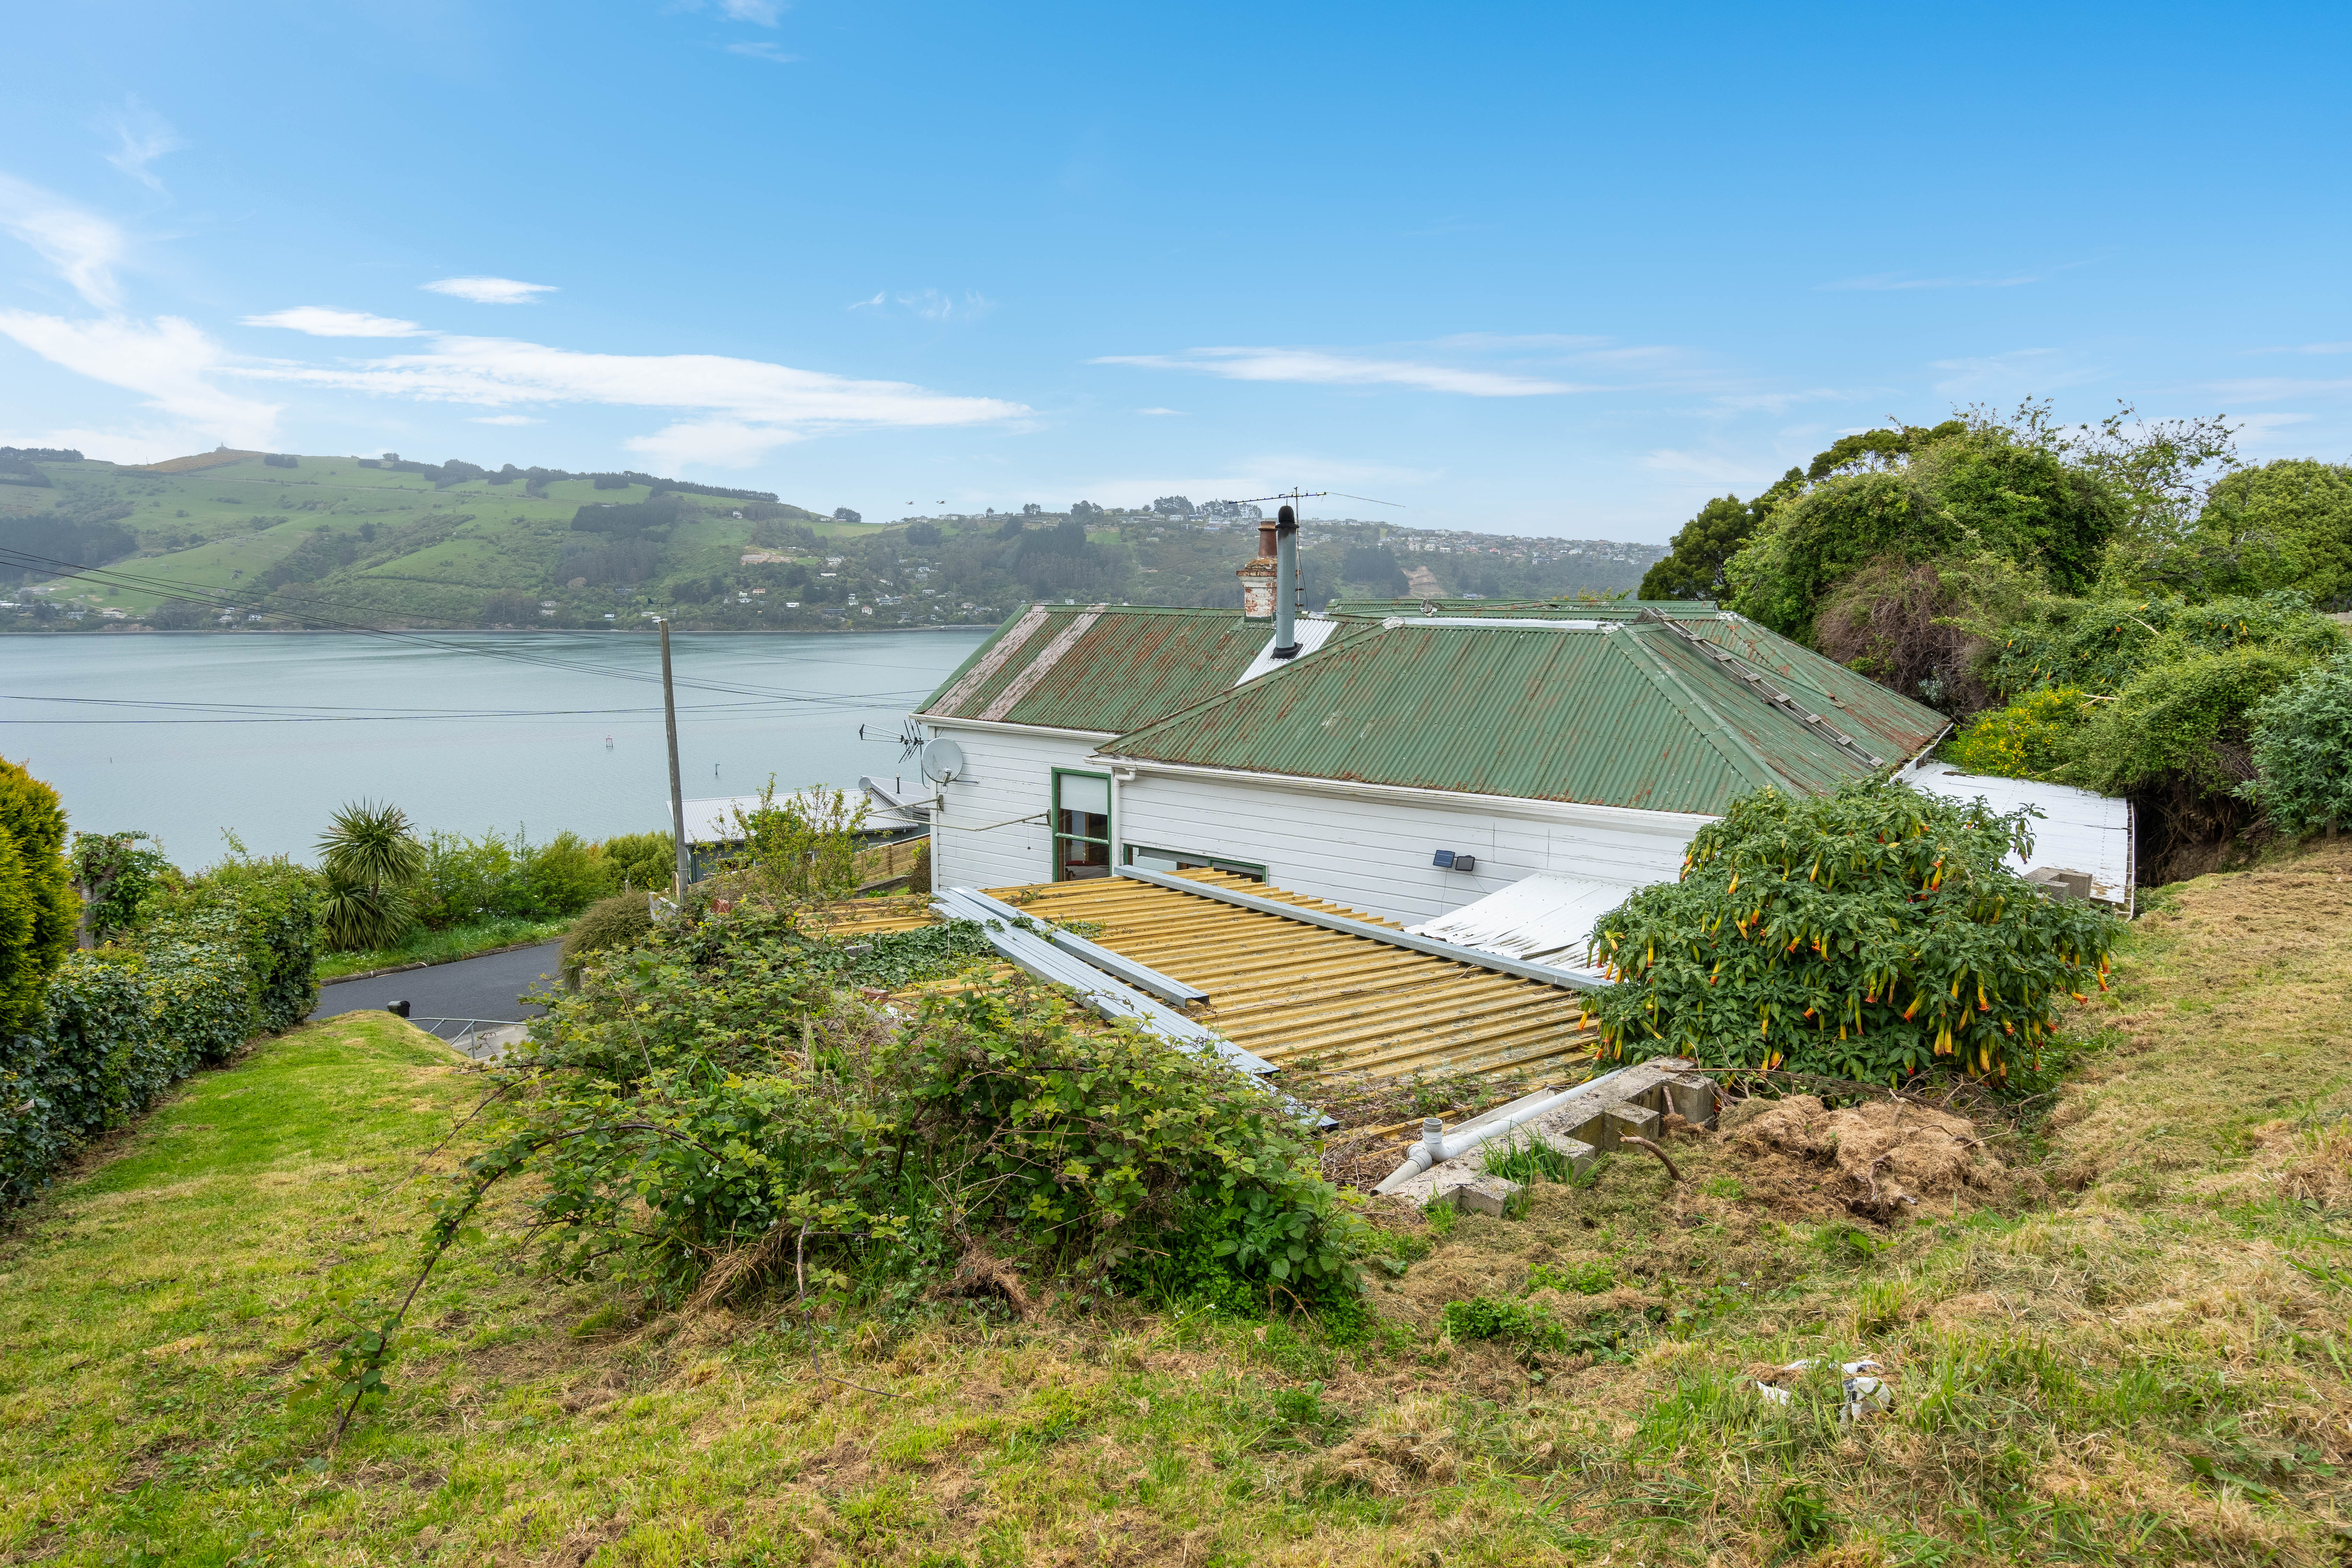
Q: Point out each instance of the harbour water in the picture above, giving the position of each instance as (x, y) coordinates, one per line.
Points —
(186, 735)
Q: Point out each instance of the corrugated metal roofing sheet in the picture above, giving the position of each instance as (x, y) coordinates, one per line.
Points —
(1102, 668)
(1623, 713)
(2079, 829)
(1897, 726)
(1333, 1002)
(1548, 918)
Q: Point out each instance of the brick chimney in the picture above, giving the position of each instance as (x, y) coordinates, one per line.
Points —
(1257, 577)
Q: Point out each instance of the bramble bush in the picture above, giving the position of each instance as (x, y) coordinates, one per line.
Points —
(720, 1107)
(1867, 934)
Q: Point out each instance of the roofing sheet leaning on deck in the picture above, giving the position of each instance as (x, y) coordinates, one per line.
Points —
(1300, 996)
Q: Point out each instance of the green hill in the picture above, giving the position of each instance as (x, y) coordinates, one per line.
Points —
(242, 539)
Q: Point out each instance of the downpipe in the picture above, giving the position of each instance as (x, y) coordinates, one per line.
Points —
(1435, 1148)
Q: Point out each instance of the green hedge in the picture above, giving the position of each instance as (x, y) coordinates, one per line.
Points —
(219, 958)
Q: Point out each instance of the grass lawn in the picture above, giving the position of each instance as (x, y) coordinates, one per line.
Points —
(441, 946)
(2143, 1357)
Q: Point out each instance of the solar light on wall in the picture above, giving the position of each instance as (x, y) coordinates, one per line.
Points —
(1449, 861)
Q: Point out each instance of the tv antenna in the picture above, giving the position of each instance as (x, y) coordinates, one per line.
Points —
(1295, 497)
(908, 740)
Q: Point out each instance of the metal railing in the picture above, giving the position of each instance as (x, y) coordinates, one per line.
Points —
(468, 1035)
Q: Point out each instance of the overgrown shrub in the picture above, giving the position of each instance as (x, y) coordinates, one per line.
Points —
(1865, 934)
(621, 920)
(2302, 749)
(2026, 739)
(718, 1093)
(642, 860)
(465, 880)
(2188, 720)
(114, 875)
(215, 960)
(803, 845)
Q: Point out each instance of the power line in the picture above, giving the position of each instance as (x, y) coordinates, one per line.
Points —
(138, 583)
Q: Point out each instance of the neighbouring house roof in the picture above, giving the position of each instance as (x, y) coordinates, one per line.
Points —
(1334, 1001)
(1104, 668)
(2079, 830)
(1659, 714)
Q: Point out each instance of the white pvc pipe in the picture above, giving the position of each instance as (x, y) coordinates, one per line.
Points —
(1435, 1148)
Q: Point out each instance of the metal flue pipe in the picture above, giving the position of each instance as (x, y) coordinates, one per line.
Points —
(1286, 584)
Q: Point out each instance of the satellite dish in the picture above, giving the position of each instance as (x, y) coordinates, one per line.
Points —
(942, 761)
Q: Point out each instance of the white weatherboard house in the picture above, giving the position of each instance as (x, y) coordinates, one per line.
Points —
(1411, 761)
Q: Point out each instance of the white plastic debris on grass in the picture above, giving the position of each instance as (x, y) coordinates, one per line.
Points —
(1867, 1392)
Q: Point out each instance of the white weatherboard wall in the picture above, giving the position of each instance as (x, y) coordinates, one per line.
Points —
(1371, 851)
(994, 829)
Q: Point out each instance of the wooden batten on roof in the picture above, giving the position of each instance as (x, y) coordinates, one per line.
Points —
(1333, 1003)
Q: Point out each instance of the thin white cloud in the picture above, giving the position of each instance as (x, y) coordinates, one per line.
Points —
(2271, 389)
(1517, 340)
(1162, 411)
(82, 245)
(878, 299)
(1713, 467)
(1775, 402)
(934, 306)
(2304, 348)
(762, 50)
(1315, 367)
(2018, 374)
(492, 290)
(168, 361)
(141, 136)
(761, 12)
(1896, 282)
(506, 419)
(738, 409)
(325, 322)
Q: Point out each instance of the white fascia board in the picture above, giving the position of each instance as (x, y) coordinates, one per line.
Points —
(999, 727)
(1687, 821)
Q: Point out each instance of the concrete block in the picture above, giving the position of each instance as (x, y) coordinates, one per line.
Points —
(1622, 1118)
(1691, 1097)
(1487, 1194)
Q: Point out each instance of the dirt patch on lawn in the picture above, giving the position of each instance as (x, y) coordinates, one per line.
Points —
(1883, 1160)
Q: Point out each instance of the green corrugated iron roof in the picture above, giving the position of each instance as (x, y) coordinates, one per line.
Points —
(1103, 668)
(1856, 703)
(1628, 712)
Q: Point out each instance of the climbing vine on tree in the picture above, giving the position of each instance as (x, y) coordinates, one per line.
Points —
(1867, 934)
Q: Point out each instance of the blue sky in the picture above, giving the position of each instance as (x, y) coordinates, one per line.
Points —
(1540, 269)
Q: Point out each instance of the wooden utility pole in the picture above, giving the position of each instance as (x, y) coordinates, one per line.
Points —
(676, 794)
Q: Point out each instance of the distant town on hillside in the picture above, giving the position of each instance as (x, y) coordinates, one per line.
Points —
(253, 540)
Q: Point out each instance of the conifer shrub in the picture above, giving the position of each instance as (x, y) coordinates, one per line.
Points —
(1868, 934)
(38, 906)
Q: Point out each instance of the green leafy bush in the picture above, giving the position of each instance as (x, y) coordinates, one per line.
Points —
(114, 874)
(2303, 750)
(2173, 722)
(2026, 739)
(464, 879)
(215, 960)
(2101, 644)
(37, 906)
(641, 861)
(1862, 935)
(717, 1093)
